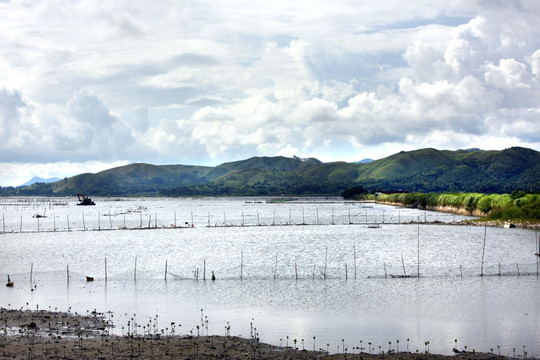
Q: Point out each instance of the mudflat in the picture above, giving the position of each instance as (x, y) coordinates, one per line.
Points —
(42, 334)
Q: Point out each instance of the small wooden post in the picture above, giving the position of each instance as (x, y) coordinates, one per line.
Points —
(354, 254)
(67, 272)
(517, 267)
(483, 252)
(325, 263)
(346, 275)
(403, 264)
(174, 218)
(418, 251)
(460, 271)
(241, 264)
(135, 272)
(499, 269)
(192, 225)
(165, 270)
(385, 273)
(105, 269)
(295, 271)
(67, 217)
(99, 221)
(204, 269)
(275, 267)
(37, 224)
(54, 222)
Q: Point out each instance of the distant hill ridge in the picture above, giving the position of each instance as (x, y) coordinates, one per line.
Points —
(37, 179)
(426, 170)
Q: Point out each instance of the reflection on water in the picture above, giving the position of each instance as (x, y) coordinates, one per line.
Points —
(283, 291)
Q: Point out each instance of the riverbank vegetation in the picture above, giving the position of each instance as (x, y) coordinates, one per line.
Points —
(519, 205)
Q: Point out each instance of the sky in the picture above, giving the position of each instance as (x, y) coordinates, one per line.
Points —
(90, 85)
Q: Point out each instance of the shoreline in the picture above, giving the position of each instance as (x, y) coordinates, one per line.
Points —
(41, 334)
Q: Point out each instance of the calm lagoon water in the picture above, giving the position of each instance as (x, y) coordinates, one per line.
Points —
(285, 270)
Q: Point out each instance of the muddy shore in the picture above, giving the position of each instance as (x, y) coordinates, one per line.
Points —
(44, 334)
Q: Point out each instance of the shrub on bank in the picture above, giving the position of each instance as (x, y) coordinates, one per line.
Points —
(518, 205)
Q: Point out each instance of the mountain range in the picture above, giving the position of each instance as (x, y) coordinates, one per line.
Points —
(37, 179)
(424, 170)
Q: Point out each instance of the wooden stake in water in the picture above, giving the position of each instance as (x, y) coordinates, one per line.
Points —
(105, 269)
(4, 222)
(67, 217)
(204, 270)
(192, 225)
(483, 252)
(537, 252)
(385, 273)
(174, 218)
(67, 272)
(418, 251)
(110, 219)
(403, 264)
(460, 271)
(135, 272)
(54, 222)
(99, 221)
(241, 264)
(275, 268)
(354, 255)
(325, 263)
(165, 270)
(295, 271)
(37, 224)
(346, 275)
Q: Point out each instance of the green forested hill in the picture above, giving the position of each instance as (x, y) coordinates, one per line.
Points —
(424, 170)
